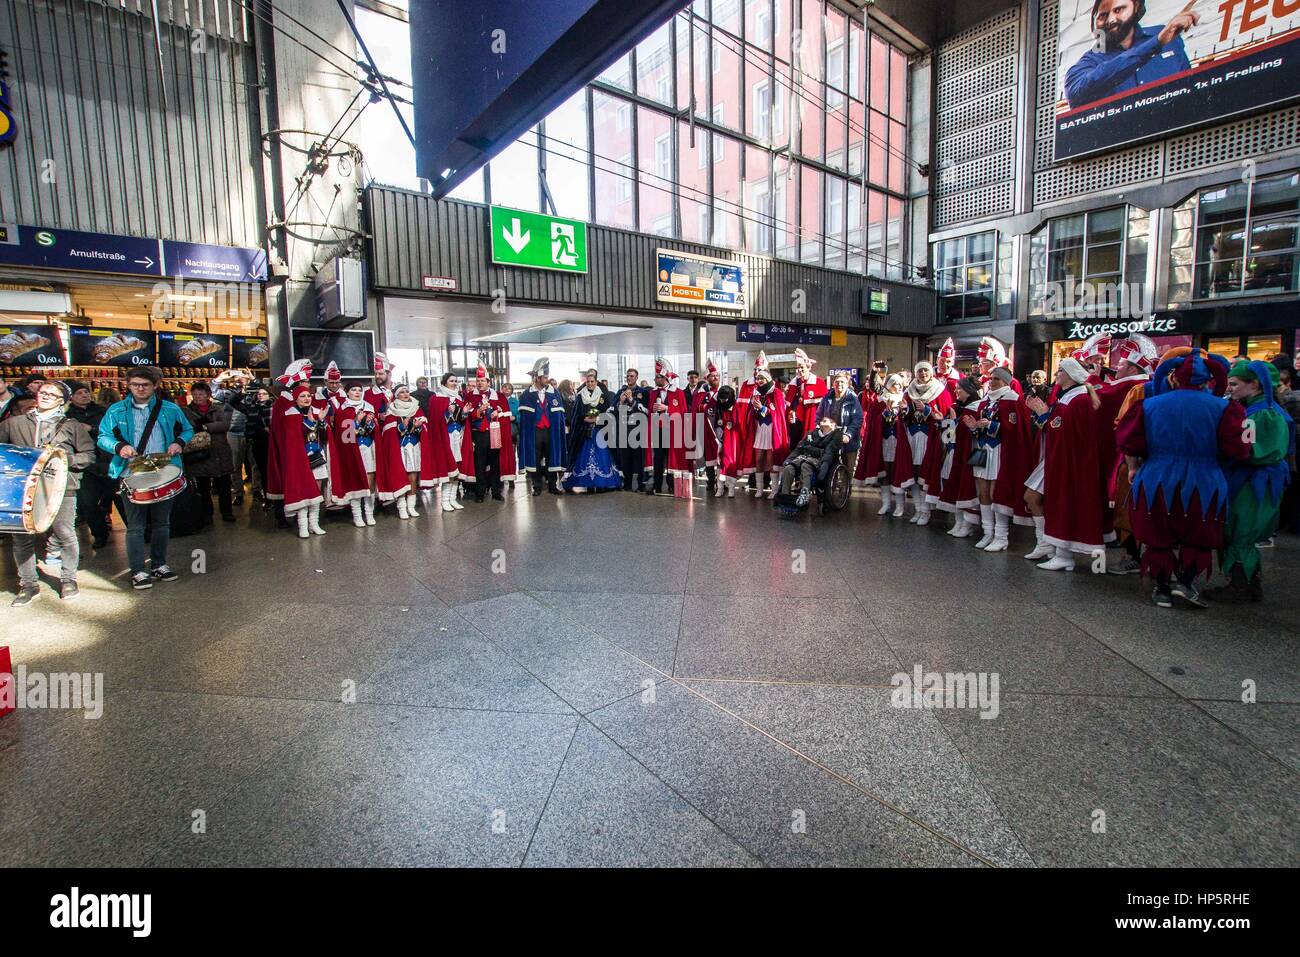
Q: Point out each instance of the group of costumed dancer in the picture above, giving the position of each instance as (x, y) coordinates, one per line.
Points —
(1168, 459)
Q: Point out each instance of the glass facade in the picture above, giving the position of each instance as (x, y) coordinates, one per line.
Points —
(964, 271)
(1102, 251)
(798, 149)
(1239, 239)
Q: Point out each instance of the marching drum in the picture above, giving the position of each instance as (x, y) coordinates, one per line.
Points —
(32, 483)
(152, 478)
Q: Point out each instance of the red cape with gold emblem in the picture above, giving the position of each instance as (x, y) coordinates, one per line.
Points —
(1072, 491)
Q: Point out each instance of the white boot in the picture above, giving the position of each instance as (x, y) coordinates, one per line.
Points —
(1062, 561)
(369, 505)
(1041, 548)
(411, 499)
(900, 503)
(313, 519)
(401, 507)
(1001, 534)
(303, 531)
(958, 523)
(456, 497)
(446, 495)
(885, 501)
(357, 518)
(986, 522)
(966, 526)
(923, 507)
(731, 486)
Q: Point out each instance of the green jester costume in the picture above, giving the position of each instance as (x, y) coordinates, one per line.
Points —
(1255, 485)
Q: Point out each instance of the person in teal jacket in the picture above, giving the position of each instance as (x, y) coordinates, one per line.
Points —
(121, 434)
(1255, 485)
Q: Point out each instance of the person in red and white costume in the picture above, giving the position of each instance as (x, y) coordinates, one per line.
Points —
(992, 355)
(704, 405)
(445, 467)
(273, 482)
(1064, 492)
(945, 366)
(928, 402)
(743, 393)
(357, 417)
(332, 392)
(1003, 431)
(302, 469)
(488, 467)
(1093, 355)
(881, 444)
(766, 435)
(349, 480)
(1134, 358)
(802, 397)
(957, 490)
(403, 443)
(666, 450)
(450, 390)
(380, 392)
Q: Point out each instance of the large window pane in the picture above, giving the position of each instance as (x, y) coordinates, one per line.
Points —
(726, 14)
(785, 192)
(692, 46)
(693, 173)
(619, 73)
(654, 66)
(836, 136)
(655, 171)
(726, 83)
(758, 120)
(726, 192)
(855, 240)
(897, 86)
(836, 57)
(878, 70)
(514, 175)
(614, 163)
(877, 155)
(758, 201)
(758, 23)
(834, 222)
(566, 157)
(897, 157)
(894, 240)
(811, 46)
(810, 219)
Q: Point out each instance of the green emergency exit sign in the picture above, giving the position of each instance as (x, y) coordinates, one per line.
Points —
(521, 238)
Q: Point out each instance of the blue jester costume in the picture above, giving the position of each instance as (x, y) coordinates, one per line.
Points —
(1182, 431)
(1256, 483)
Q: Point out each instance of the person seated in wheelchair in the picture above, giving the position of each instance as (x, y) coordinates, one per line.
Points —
(810, 462)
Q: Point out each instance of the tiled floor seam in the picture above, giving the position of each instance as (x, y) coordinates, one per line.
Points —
(550, 791)
(1193, 702)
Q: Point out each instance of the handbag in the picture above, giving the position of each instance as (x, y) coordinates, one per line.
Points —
(316, 460)
(979, 458)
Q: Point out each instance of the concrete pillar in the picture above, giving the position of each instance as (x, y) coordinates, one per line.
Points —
(312, 198)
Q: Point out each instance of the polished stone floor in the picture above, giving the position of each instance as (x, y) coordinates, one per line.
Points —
(624, 680)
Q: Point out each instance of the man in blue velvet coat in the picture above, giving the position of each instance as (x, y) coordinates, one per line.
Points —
(542, 428)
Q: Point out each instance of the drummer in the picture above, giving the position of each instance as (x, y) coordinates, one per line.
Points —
(46, 426)
(122, 433)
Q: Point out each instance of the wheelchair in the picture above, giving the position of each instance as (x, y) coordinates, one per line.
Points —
(831, 489)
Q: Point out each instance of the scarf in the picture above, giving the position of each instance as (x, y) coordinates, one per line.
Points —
(404, 409)
(997, 395)
(927, 393)
(590, 396)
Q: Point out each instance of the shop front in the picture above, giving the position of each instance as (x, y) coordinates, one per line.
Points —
(1258, 331)
(92, 307)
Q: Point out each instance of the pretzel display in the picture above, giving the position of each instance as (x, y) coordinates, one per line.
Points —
(259, 355)
(19, 343)
(118, 344)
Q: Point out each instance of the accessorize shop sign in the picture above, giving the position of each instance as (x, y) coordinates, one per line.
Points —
(31, 346)
(193, 350)
(1131, 71)
(693, 280)
(111, 347)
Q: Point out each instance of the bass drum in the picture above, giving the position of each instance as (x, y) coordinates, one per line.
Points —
(32, 485)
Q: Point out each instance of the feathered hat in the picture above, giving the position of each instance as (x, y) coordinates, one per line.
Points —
(382, 364)
(298, 371)
(1137, 349)
(541, 367)
(948, 351)
(664, 368)
(991, 350)
(802, 358)
(332, 373)
(711, 369)
(480, 372)
(760, 363)
(1097, 347)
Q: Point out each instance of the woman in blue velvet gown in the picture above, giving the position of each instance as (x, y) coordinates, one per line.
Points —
(591, 465)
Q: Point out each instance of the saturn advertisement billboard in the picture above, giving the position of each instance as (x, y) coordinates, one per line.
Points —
(1130, 70)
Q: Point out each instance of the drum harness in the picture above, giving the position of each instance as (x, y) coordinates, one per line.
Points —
(148, 430)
